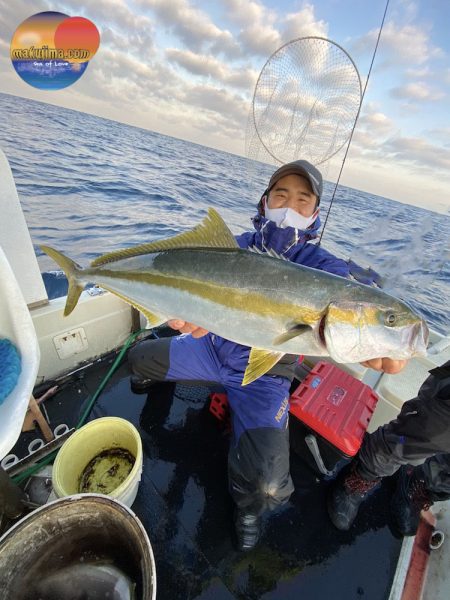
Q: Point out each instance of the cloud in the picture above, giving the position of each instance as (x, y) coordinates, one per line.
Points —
(405, 183)
(259, 39)
(419, 73)
(377, 138)
(406, 44)
(372, 130)
(157, 94)
(418, 91)
(220, 101)
(128, 81)
(407, 10)
(263, 31)
(419, 152)
(191, 25)
(14, 13)
(226, 45)
(302, 24)
(108, 12)
(376, 122)
(363, 140)
(142, 47)
(443, 135)
(245, 13)
(208, 66)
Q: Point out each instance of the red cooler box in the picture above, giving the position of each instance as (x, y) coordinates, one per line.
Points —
(329, 414)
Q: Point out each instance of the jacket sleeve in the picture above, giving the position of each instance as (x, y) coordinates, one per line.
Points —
(244, 239)
(319, 258)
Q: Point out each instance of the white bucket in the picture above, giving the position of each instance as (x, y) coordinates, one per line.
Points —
(89, 441)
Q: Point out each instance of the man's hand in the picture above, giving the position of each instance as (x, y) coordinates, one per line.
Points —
(388, 365)
(186, 327)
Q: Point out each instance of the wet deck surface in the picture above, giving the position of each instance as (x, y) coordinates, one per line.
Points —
(184, 505)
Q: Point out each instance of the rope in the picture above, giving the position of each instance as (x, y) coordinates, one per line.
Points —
(356, 120)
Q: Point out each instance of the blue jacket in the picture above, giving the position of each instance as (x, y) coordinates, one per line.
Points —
(294, 245)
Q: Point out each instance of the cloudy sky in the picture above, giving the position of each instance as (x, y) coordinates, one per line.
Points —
(188, 68)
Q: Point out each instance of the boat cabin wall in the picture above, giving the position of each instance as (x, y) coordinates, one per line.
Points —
(16, 241)
(98, 325)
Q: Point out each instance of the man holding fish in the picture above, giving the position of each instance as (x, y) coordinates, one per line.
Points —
(257, 301)
(259, 457)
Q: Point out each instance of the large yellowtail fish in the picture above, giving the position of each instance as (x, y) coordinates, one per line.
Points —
(262, 301)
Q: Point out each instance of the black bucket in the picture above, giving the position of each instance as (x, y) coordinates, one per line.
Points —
(83, 546)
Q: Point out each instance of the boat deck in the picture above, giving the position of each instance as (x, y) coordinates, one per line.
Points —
(184, 505)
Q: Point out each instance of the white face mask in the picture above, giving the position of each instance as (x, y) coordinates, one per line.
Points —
(288, 217)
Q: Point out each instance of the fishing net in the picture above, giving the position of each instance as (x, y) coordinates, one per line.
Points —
(305, 103)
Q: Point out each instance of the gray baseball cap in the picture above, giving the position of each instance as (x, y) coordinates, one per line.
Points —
(302, 168)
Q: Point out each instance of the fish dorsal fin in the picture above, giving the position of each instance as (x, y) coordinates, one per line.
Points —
(259, 362)
(212, 232)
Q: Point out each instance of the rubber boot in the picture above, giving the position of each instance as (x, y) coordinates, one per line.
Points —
(410, 497)
(248, 530)
(157, 406)
(346, 495)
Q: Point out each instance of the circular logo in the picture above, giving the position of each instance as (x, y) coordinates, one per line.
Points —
(51, 50)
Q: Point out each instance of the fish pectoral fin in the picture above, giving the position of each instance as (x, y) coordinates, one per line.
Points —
(291, 333)
(259, 362)
(212, 232)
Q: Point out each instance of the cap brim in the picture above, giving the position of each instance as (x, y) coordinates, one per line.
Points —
(297, 170)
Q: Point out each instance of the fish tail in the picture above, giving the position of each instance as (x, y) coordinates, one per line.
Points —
(71, 270)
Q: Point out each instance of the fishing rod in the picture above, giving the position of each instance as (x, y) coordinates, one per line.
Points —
(356, 119)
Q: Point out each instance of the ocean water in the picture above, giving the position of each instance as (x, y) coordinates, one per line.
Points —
(90, 185)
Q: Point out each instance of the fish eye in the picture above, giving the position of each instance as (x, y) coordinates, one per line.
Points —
(390, 319)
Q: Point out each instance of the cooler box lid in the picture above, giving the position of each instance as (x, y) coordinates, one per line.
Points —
(335, 405)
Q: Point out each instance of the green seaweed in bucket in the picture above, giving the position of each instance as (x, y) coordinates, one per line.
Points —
(106, 471)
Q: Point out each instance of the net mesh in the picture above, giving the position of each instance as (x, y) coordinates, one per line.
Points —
(305, 103)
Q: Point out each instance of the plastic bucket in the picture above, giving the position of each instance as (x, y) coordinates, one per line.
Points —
(90, 440)
(84, 546)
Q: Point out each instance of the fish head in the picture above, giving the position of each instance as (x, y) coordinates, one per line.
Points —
(360, 331)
